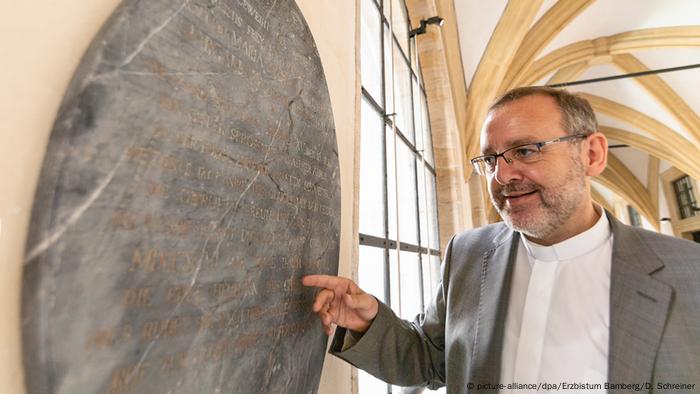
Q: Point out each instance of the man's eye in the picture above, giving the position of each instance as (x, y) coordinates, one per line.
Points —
(490, 161)
(525, 152)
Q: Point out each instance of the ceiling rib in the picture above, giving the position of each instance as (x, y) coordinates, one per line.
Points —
(541, 34)
(665, 136)
(509, 32)
(653, 180)
(604, 47)
(568, 73)
(624, 76)
(663, 93)
(649, 146)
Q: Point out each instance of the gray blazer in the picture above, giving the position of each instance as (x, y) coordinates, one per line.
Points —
(654, 316)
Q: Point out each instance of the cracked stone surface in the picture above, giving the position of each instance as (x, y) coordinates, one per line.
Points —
(190, 181)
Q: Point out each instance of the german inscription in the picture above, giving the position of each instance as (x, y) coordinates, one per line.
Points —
(191, 180)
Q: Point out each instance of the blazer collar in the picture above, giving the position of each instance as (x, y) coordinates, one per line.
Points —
(639, 306)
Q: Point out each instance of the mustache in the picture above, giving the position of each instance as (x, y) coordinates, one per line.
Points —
(519, 188)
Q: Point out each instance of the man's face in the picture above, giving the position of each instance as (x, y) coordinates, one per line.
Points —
(537, 198)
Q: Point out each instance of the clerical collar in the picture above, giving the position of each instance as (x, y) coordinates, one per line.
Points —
(574, 247)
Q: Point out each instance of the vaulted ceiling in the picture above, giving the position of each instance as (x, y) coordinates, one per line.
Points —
(505, 44)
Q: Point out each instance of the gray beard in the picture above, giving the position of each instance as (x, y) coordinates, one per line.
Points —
(558, 203)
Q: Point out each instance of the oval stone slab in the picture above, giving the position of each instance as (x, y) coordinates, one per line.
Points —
(191, 180)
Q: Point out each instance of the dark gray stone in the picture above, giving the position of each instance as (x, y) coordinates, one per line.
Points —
(191, 180)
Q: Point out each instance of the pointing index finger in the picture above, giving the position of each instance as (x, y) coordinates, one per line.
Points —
(325, 281)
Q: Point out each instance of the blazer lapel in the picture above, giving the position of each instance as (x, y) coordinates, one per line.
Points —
(639, 306)
(496, 272)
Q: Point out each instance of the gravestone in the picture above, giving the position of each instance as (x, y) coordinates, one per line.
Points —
(190, 181)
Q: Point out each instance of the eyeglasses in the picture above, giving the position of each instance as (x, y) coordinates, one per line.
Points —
(526, 154)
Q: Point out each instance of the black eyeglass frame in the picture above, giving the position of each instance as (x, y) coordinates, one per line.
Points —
(539, 146)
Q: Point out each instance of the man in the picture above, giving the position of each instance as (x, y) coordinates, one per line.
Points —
(559, 294)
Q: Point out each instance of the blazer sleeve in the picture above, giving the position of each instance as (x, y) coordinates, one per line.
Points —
(401, 352)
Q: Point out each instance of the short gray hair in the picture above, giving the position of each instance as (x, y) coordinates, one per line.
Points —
(576, 113)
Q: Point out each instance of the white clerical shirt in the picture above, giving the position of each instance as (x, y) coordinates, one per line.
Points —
(557, 325)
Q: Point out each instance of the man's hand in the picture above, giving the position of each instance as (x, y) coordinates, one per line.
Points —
(342, 302)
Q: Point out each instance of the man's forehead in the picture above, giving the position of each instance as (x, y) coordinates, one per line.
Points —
(522, 121)
(507, 142)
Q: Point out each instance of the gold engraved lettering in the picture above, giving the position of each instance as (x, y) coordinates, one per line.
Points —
(290, 329)
(202, 199)
(154, 66)
(213, 352)
(214, 50)
(252, 11)
(207, 148)
(255, 35)
(140, 155)
(231, 14)
(260, 237)
(208, 174)
(180, 294)
(167, 328)
(167, 102)
(222, 320)
(173, 362)
(246, 341)
(108, 337)
(230, 37)
(291, 179)
(139, 297)
(316, 189)
(157, 189)
(174, 163)
(144, 156)
(206, 321)
(242, 139)
(283, 309)
(225, 290)
(123, 220)
(167, 225)
(262, 214)
(124, 379)
(153, 260)
(173, 226)
(284, 286)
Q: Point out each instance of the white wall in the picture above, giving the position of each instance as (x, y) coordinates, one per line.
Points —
(42, 42)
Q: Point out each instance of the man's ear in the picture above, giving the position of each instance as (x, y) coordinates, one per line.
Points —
(597, 154)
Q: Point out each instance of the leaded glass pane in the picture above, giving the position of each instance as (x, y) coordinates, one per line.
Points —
(408, 215)
(371, 271)
(427, 134)
(405, 276)
(417, 116)
(432, 211)
(400, 24)
(371, 46)
(422, 203)
(391, 182)
(371, 173)
(388, 74)
(404, 109)
(428, 280)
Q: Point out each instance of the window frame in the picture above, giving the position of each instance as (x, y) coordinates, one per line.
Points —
(422, 157)
(685, 209)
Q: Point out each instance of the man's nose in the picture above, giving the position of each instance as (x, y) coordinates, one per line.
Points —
(506, 173)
